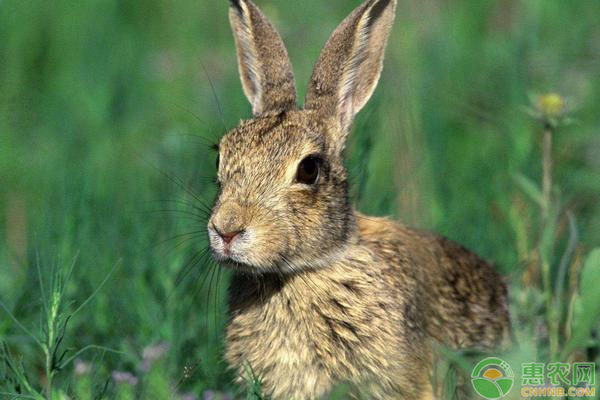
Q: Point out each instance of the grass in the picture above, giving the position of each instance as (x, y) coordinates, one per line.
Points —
(108, 110)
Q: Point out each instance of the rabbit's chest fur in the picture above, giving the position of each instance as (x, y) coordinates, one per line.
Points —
(357, 320)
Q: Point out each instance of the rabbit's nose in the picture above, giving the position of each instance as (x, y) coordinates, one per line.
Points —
(229, 221)
(229, 236)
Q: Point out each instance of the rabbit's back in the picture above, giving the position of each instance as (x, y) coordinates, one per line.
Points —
(466, 299)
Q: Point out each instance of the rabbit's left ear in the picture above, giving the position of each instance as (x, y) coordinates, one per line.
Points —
(264, 65)
(350, 64)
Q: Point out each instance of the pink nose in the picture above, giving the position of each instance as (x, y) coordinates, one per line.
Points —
(229, 236)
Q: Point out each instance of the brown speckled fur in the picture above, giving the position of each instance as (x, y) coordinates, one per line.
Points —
(323, 294)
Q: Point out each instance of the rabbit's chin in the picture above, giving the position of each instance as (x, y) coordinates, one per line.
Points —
(280, 264)
(245, 267)
(250, 265)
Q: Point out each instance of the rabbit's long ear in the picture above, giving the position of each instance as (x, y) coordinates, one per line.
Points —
(264, 65)
(350, 64)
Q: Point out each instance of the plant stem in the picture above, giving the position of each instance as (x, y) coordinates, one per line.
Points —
(545, 210)
(552, 316)
(48, 372)
(547, 173)
(50, 340)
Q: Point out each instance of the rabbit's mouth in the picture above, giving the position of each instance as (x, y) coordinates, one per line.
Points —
(252, 243)
(234, 250)
(226, 247)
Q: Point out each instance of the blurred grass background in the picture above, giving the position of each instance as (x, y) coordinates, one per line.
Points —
(107, 113)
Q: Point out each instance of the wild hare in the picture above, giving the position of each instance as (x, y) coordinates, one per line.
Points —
(322, 294)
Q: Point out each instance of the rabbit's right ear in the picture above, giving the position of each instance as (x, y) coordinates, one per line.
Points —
(350, 64)
(264, 65)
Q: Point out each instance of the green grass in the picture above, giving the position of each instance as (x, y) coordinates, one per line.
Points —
(106, 119)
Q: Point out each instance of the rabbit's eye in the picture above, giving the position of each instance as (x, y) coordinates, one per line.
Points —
(308, 170)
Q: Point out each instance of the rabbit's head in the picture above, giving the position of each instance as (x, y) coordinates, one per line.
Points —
(283, 201)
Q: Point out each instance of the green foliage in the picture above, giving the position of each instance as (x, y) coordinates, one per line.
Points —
(107, 116)
(586, 304)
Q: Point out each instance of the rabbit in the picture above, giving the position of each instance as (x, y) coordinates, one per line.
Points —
(320, 293)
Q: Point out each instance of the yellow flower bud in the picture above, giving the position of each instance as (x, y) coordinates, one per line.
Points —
(551, 105)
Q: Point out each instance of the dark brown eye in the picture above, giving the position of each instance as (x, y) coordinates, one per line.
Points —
(308, 170)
